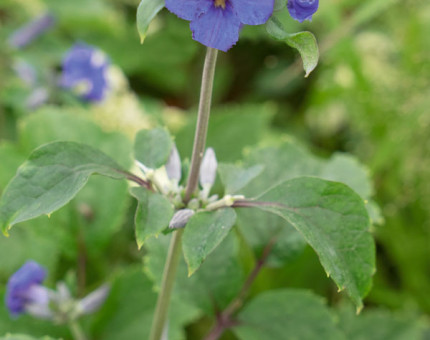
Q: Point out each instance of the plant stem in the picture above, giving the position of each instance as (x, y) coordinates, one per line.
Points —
(224, 319)
(173, 255)
(77, 332)
(169, 273)
(202, 121)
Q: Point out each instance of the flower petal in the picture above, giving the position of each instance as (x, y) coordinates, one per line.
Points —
(188, 9)
(253, 12)
(301, 10)
(217, 28)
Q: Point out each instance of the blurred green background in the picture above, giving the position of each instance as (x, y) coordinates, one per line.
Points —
(369, 96)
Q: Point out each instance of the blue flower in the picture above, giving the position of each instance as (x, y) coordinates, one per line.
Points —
(24, 288)
(302, 10)
(216, 23)
(84, 70)
(26, 34)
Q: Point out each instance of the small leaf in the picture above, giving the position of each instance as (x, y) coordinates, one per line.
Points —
(146, 12)
(304, 42)
(279, 4)
(152, 147)
(286, 314)
(333, 220)
(203, 233)
(153, 214)
(235, 178)
(50, 178)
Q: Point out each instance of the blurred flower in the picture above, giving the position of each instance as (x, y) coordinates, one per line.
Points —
(37, 97)
(180, 218)
(93, 301)
(26, 34)
(216, 23)
(26, 72)
(24, 289)
(85, 71)
(302, 10)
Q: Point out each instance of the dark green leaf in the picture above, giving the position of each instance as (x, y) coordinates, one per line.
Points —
(146, 12)
(153, 214)
(203, 233)
(286, 314)
(50, 178)
(333, 220)
(304, 42)
(23, 337)
(152, 147)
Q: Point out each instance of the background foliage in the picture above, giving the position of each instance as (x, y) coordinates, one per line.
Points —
(369, 96)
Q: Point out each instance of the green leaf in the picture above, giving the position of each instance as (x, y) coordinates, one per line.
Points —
(50, 178)
(304, 42)
(152, 147)
(235, 178)
(146, 12)
(286, 314)
(23, 337)
(280, 4)
(218, 280)
(203, 233)
(333, 220)
(153, 214)
(379, 324)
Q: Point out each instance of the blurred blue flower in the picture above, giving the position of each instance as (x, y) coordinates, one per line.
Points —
(84, 70)
(216, 23)
(24, 288)
(302, 10)
(26, 34)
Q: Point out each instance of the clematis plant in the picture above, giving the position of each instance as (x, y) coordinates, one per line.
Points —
(177, 203)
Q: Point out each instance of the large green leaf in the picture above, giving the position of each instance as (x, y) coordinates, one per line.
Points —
(203, 233)
(333, 220)
(286, 314)
(146, 12)
(304, 42)
(153, 214)
(152, 147)
(235, 178)
(50, 178)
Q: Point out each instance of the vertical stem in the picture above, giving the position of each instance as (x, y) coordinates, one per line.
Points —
(173, 255)
(169, 273)
(77, 332)
(202, 121)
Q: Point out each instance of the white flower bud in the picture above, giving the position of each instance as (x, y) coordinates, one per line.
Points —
(180, 218)
(94, 300)
(173, 165)
(208, 168)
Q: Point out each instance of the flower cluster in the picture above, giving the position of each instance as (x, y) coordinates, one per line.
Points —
(85, 71)
(26, 294)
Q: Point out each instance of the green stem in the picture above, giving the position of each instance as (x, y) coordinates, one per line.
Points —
(77, 332)
(202, 121)
(167, 282)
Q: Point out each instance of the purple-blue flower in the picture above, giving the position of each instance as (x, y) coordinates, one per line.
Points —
(84, 70)
(216, 23)
(302, 10)
(24, 288)
(26, 34)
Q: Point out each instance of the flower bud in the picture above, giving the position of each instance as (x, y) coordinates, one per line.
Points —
(173, 165)
(26, 34)
(208, 168)
(94, 300)
(180, 218)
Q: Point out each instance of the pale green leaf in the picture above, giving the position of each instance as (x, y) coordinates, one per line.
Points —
(203, 233)
(286, 314)
(50, 178)
(146, 12)
(304, 42)
(152, 147)
(333, 220)
(153, 214)
(235, 177)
